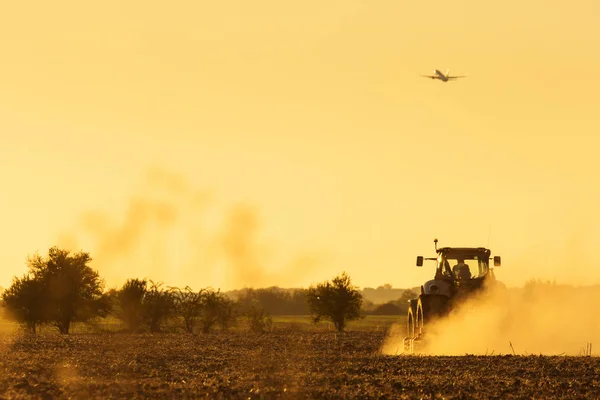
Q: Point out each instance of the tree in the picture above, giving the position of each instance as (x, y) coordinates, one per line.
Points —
(259, 320)
(227, 313)
(337, 301)
(25, 303)
(158, 305)
(216, 308)
(207, 306)
(188, 305)
(130, 299)
(72, 291)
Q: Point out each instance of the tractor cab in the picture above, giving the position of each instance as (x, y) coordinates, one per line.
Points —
(462, 263)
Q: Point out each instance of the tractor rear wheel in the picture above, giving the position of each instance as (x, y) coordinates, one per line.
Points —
(419, 322)
(410, 323)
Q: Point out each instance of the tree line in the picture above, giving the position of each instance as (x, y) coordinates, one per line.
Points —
(61, 289)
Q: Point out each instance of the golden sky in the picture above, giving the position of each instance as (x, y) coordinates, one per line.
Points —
(260, 143)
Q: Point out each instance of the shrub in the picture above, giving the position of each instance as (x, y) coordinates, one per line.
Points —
(337, 301)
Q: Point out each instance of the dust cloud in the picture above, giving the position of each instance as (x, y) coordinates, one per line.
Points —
(174, 233)
(239, 245)
(114, 241)
(539, 318)
(9, 330)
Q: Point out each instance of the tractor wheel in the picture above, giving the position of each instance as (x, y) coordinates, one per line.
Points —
(420, 320)
(410, 323)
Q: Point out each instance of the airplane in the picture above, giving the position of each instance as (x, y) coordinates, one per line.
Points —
(437, 74)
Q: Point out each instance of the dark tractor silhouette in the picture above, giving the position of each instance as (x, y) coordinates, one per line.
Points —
(460, 272)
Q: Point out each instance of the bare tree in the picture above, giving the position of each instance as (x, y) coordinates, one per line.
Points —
(227, 313)
(188, 305)
(211, 303)
(158, 306)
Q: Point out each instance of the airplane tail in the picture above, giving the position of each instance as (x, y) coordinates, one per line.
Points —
(448, 72)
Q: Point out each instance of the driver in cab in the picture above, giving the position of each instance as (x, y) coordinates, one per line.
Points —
(461, 270)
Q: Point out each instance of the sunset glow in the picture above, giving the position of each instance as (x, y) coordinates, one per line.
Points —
(234, 143)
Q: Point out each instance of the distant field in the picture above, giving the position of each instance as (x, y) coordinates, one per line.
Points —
(280, 364)
(370, 322)
(287, 322)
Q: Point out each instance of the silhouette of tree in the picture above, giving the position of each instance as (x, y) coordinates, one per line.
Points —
(158, 306)
(72, 291)
(227, 313)
(216, 308)
(206, 306)
(130, 299)
(24, 302)
(337, 301)
(259, 320)
(188, 305)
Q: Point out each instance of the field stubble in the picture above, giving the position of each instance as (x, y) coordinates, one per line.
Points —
(279, 364)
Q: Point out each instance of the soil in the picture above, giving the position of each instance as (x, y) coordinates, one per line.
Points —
(291, 364)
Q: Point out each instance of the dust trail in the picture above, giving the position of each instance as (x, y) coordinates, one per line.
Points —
(9, 331)
(169, 232)
(539, 318)
(141, 215)
(159, 206)
(178, 188)
(245, 254)
(239, 243)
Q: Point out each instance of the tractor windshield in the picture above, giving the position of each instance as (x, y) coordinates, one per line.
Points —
(464, 266)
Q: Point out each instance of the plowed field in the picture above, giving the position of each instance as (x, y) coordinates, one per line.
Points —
(274, 365)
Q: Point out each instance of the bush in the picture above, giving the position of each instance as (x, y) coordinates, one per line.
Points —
(216, 308)
(337, 301)
(188, 305)
(130, 300)
(207, 307)
(259, 321)
(158, 305)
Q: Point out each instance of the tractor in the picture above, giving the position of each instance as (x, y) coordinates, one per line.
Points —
(470, 273)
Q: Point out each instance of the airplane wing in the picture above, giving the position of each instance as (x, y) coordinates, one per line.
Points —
(430, 76)
(456, 77)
